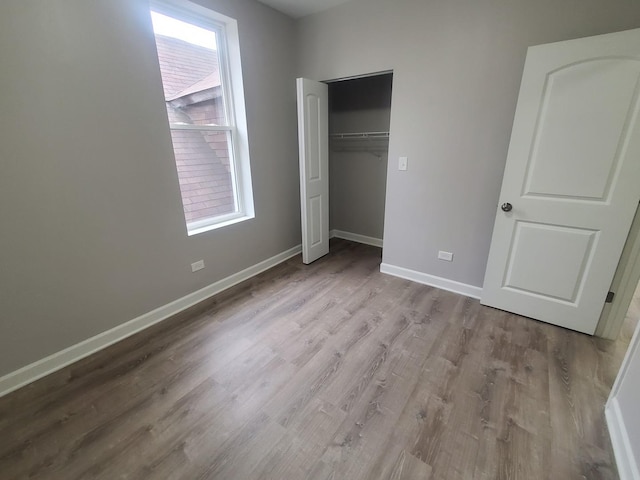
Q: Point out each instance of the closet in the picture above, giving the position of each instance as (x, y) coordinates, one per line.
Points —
(359, 118)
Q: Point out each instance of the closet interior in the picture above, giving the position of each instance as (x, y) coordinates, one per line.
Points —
(359, 118)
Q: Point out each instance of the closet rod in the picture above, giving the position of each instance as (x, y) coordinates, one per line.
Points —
(360, 135)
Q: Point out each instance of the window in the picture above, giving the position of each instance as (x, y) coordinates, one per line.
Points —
(199, 59)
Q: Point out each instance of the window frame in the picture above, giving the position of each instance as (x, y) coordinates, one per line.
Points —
(230, 69)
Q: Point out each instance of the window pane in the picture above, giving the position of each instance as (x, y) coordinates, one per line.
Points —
(189, 66)
(194, 95)
(205, 171)
(210, 112)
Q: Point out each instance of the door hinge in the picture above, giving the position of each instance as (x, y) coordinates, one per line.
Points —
(610, 296)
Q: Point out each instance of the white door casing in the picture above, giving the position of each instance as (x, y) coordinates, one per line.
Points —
(573, 178)
(313, 141)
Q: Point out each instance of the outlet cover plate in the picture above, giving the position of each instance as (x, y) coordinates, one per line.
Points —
(446, 256)
(199, 265)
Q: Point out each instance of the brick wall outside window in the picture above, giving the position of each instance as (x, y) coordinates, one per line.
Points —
(193, 96)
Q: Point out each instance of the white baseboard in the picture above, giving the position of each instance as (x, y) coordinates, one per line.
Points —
(61, 359)
(355, 237)
(432, 280)
(627, 467)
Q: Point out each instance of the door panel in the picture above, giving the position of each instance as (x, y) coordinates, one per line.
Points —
(567, 250)
(313, 133)
(572, 176)
(315, 220)
(572, 132)
(313, 153)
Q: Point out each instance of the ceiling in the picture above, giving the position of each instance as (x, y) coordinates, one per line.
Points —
(301, 8)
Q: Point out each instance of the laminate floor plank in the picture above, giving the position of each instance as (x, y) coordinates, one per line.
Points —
(408, 467)
(327, 371)
(314, 376)
(356, 446)
(288, 459)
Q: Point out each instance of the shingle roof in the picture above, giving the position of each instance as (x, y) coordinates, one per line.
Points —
(185, 65)
(207, 83)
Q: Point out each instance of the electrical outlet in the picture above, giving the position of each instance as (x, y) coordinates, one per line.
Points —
(199, 265)
(403, 163)
(446, 256)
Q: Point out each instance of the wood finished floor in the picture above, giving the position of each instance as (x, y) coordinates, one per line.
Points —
(327, 371)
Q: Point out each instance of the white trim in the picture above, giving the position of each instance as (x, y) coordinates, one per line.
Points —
(627, 467)
(632, 350)
(355, 237)
(190, 126)
(363, 75)
(426, 279)
(61, 359)
(201, 226)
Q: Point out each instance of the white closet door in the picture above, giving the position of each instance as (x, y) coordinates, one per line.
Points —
(313, 139)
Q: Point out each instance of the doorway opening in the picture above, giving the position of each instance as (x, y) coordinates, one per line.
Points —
(359, 121)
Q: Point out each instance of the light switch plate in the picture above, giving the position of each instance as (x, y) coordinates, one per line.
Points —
(403, 163)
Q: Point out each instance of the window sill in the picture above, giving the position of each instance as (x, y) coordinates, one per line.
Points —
(218, 224)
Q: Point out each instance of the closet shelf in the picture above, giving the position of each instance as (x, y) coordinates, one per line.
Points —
(360, 141)
(360, 135)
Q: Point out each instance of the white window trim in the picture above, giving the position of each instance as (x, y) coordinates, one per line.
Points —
(233, 93)
(190, 126)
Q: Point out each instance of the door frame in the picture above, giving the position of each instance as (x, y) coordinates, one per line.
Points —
(333, 233)
(624, 284)
(363, 75)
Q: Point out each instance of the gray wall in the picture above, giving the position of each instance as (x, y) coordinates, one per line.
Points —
(358, 178)
(457, 67)
(92, 232)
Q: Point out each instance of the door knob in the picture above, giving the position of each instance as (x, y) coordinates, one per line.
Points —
(506, 207)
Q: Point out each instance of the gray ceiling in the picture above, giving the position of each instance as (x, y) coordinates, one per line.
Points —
(301, 8)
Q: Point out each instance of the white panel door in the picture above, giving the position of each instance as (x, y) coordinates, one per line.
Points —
(313, 139)
(572, 181)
